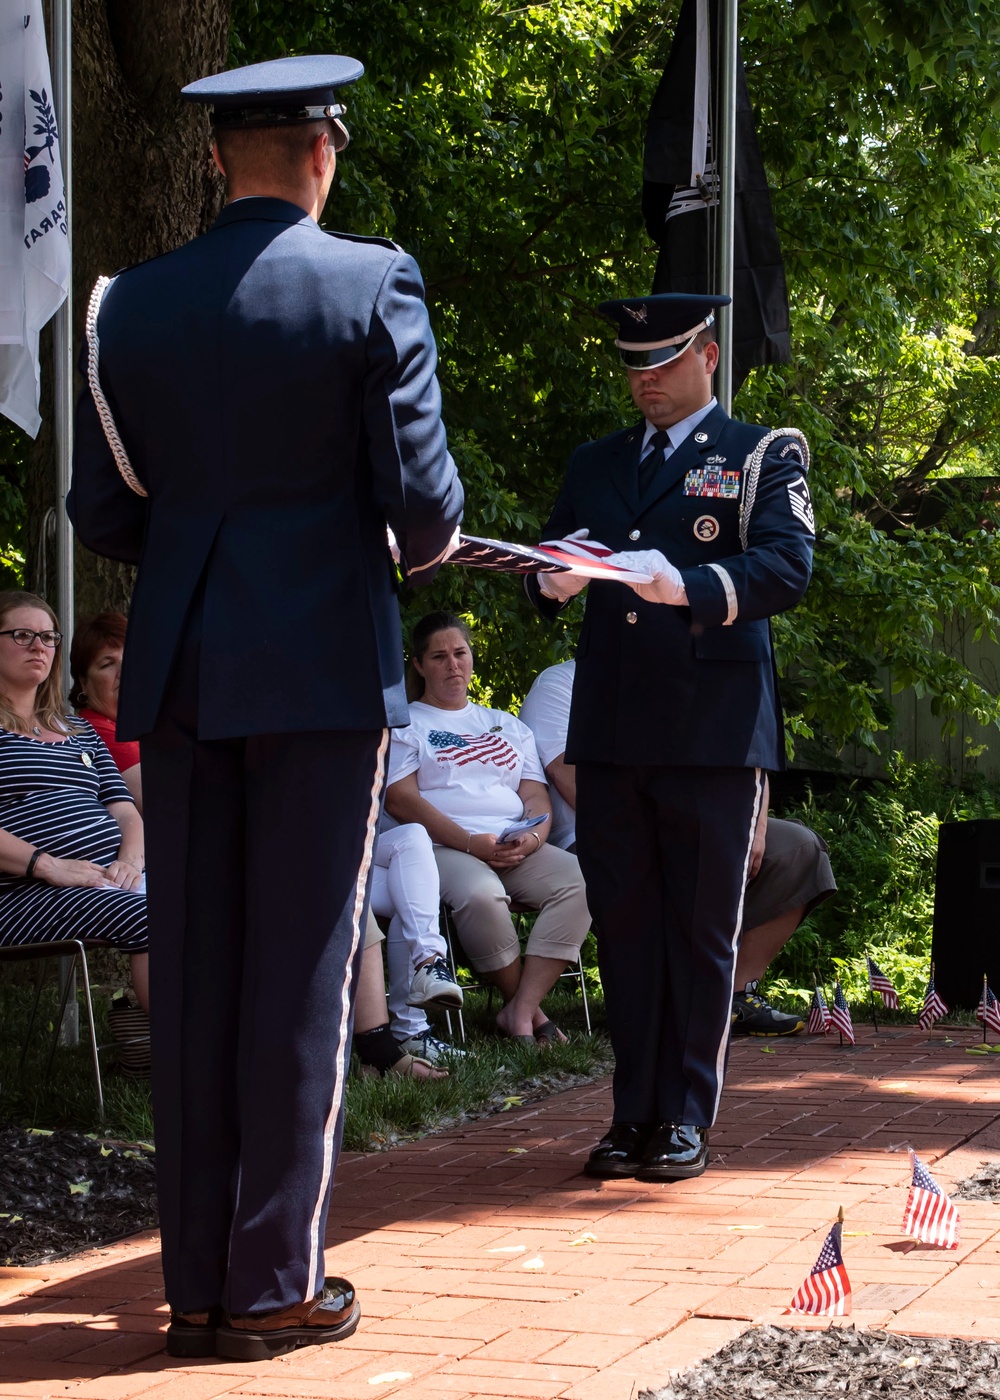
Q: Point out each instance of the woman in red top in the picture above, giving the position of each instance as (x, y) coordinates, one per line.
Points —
(95, 660)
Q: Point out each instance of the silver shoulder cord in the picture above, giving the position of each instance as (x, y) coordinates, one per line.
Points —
(752, 466)
(100, 402)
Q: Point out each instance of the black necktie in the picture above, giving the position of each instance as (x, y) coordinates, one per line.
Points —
(653, 461)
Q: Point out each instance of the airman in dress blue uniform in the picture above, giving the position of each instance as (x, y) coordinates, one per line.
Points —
(675, 714)
(269, 391)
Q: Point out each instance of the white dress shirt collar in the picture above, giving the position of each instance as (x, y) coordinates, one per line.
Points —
(677, 432)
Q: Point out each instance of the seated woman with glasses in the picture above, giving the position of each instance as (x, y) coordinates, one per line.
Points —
(71, 840)
(466, 773)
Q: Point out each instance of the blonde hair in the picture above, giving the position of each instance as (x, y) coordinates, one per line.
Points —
(50, 702)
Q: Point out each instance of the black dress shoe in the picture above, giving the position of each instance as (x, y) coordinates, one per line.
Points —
(620, 1149)
(675, 1152)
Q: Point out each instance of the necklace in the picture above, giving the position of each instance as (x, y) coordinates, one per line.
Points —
(35, 729)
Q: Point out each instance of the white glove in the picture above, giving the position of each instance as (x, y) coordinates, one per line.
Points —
(667, 586)
(563, 586)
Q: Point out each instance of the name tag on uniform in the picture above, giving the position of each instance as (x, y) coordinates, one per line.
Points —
(707, 481)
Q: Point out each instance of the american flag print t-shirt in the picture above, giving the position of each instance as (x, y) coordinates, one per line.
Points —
(462, 749)
(469, 762)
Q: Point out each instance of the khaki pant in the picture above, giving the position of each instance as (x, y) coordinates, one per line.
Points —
(480, 899)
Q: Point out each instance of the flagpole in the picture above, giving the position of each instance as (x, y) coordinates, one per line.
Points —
(983, 1003)
(871, 990)
(62, 330)
(62, 378)
(728, 56)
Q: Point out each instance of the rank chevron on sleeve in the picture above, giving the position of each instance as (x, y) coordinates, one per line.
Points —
(798, 499)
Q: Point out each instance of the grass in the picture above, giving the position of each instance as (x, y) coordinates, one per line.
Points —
(496, 1074)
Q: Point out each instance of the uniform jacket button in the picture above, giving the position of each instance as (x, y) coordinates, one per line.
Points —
(631, 617)
(633, 534)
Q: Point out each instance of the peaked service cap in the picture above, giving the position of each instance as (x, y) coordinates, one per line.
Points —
(281, 91)
(656, 329)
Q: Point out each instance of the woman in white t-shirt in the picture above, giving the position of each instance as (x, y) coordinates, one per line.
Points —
(466, 773)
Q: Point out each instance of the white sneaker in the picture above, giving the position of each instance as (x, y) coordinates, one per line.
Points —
(427, 1046)
(433, 985)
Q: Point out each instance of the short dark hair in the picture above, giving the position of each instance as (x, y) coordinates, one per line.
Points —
(705, 337)
(420, 639)
(106, 629)
(266, 150)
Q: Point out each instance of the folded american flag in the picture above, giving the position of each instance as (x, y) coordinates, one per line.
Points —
(819, 1014)
(827, 1290)
(988, 1010)
(934, 1008)
(878, 982)
(929, 1215)
(840, 1015)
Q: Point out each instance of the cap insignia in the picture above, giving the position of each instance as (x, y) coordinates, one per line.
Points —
(638, 313)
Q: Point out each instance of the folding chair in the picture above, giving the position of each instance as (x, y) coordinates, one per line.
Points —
(450, 935)
(26, 952)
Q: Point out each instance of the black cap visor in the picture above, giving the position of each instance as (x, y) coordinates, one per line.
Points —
(635, 355)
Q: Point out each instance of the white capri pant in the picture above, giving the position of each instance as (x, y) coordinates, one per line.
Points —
(549, 880)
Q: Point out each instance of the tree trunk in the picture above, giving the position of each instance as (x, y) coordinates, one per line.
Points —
(143, 183)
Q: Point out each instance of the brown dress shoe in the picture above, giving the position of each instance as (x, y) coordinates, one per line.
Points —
(329, 1317)
(193, 1334)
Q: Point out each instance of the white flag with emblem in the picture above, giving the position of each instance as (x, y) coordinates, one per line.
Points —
(34, 237)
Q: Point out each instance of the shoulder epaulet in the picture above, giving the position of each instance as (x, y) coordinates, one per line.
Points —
(155, 257)
(365, 238)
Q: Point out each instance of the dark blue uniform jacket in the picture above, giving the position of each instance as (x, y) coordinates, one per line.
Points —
(657, 684)
(275, 388)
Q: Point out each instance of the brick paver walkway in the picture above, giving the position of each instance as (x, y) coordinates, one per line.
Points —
(488, 1266)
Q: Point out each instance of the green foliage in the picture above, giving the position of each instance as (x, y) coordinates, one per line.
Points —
(496, 1076)
(13, 474)
(883, 846)
(501, 143)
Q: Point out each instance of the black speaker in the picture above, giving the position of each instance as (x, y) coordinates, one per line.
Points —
(966, 941)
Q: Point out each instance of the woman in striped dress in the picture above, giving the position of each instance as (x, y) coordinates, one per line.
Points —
(71, 841)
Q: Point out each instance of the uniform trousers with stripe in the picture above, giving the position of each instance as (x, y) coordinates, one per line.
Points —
(257, 857)
(665, 853)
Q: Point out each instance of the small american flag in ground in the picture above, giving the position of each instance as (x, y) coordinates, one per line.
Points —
(840, 1015)
(819, 1014)
(934, 1008)
(827, 1290)
(929, 1215)
(878, 982)
(461, 749)
(988, 1010)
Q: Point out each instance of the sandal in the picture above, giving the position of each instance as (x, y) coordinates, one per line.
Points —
(517, 1039)
(548, 1033)
(407, 1066)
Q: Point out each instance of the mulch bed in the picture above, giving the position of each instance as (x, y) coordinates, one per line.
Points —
(776, 1363)
(62, 1191)
(983, 1185)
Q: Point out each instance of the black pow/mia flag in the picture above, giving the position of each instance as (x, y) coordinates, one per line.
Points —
(680, 194)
